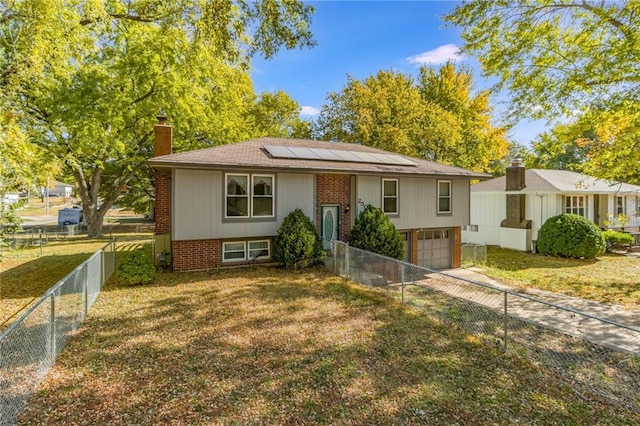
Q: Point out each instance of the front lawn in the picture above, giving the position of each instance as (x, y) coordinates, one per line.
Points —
(262, 346)
(611, 278)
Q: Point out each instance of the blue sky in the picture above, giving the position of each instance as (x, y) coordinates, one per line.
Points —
(359, 38)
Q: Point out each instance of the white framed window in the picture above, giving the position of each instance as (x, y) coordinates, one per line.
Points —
(444, 196)
(390, 196)
(234, 251)
(620, 205)
(259, 250)
(242, 251)
(262, 196)
(249, 195)
(575, 204)
(237, 195)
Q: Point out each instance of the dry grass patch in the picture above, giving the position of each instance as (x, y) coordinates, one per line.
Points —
(262, 346)
(611, 278)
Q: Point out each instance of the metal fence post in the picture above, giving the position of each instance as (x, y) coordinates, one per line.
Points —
(506, 321)
(52, 334)
(347, 267)
(85, 289)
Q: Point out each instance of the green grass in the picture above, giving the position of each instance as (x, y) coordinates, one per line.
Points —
(261, 346)
(611, 278)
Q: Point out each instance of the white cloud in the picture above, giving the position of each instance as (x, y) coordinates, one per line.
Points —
(439, 55)
(309, 110)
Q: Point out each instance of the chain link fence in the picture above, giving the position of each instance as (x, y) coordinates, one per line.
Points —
(594, 355)
(30, 346)
(474, 253)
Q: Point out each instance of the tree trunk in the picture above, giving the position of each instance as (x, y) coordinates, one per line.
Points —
(94, 223)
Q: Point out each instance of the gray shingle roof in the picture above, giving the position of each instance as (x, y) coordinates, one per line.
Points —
(564, 181)
(251, 154)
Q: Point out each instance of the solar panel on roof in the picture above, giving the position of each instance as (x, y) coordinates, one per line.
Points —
(279, 151)
(304, 153)
(325, 154)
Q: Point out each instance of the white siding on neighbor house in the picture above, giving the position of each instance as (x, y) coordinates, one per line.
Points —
(487, 218)
(198, 205)
(417, 201)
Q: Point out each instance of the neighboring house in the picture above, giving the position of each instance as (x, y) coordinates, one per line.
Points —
(223, 205)
(61, 189)
(508, 211)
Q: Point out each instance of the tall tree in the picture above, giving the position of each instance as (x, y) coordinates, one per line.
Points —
(384, 111)
(87, 78)
(277, 114)
(561, 148)
(555, 56)
(481, 143)
(436, 118)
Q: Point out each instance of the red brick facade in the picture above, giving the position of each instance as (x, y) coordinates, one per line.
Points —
(163, 138)
(162, 209)
(196, 254)
(335, 189)
(456, 240)
(414, 246)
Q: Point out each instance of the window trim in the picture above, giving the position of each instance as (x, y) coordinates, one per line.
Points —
(226, 195)
(574, 208)
(397, 196)
(622, 205)
(244, 251)
(268, 256)
(272, 196)
(440, 197)
(250, 196)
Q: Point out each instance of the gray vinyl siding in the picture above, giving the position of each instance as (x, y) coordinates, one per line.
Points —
(418, 204)
(198, 205)
(417, 201)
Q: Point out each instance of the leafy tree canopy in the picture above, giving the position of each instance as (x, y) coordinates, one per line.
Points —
(436, 117)
(555, 56)
(601, 143)
(84, 80)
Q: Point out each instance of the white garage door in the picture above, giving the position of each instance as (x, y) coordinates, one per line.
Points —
(434, 248)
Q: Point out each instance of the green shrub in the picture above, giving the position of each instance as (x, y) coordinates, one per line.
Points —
(297, 243)
(570, 235)
(617, 238)
(373, 231)
(136, 268)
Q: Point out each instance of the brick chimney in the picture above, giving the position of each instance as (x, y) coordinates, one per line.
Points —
(516, 203)
(163, 135)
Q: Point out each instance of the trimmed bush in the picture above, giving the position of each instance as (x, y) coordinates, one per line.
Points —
(136, 269)
(617, 238)
(570, 235)
(373, 231)
(297, 244)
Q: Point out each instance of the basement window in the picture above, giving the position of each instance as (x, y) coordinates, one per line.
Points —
(242, 251)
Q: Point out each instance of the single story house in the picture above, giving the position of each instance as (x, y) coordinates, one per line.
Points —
(223, 205)
(61, 189)
(508, 211)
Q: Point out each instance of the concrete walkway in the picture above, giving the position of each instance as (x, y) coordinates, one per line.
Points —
(521, 305)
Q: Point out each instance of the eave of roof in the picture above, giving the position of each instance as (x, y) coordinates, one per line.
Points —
(251, 155)
(556, 181)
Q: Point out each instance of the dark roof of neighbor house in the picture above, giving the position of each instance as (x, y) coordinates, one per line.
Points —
(558, 181)
(253, 154)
